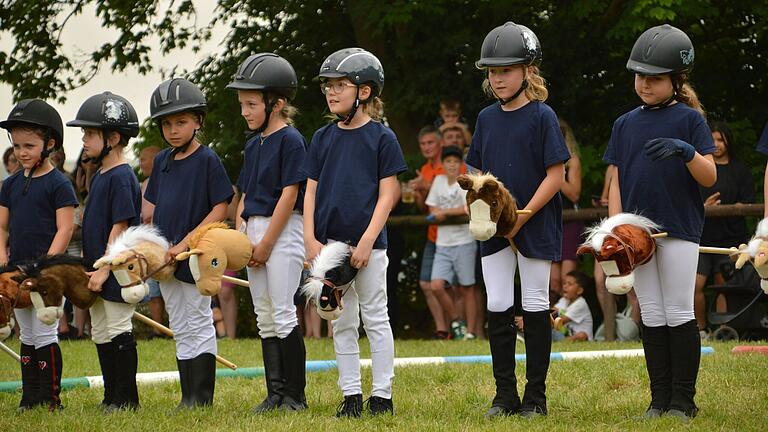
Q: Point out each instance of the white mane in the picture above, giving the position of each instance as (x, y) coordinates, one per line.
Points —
(597, 233)
(330, 256)
(478, 180)
(133, 236)
(761, 234)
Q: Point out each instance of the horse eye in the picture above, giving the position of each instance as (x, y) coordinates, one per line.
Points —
(494, 204)
(130, 266)
(215, 262)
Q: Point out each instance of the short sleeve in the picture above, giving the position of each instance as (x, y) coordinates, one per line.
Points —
(241, 178)
(475, 149)
(434, 192)
(578, 311)
(555, 150)
(701, 136)
(762, 144)
(311, 168)
(219, 187)
(391, 160)
(5, 196)
(150, 194)
(64, 195)
(292, 162)
(121, 196)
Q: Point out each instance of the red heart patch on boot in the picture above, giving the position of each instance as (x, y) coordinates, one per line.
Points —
(25, 360)
(42, 364)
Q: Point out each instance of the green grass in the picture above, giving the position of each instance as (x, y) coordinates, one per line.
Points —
(605, 394)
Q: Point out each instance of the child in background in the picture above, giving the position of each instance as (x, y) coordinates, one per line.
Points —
(575, 319)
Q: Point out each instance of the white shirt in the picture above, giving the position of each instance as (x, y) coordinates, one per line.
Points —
(445, 196)
(579, 315)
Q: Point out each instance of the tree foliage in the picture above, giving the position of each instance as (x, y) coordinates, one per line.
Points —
(428, 49)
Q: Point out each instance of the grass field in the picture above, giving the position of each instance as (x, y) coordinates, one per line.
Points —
(603, 394)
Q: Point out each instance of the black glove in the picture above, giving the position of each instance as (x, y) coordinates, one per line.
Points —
(663, 148)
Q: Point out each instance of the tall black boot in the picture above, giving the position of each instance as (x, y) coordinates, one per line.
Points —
(538, 347)
(50, 367)
(106, 352)
(658, 362)
(30, 380)
(273, 374)
(502, 336)
(202, 370)
(293, 356)
(126, 394)
(185, 380)
(685, 350)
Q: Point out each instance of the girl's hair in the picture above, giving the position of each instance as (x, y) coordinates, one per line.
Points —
(570, 138)
(39, 131)
(725, 132)
(288, 112)
(537, 85)
(686, 94)
(7, 155)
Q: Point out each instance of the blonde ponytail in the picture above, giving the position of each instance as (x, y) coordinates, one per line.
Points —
(687, 95)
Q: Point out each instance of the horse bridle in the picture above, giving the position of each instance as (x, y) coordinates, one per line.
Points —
(143, 268)
(339, 294)
(629, 248)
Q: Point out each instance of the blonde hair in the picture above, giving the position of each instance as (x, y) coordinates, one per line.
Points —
(537, 85)
(288, 111)
(687, 95)
(569, 136)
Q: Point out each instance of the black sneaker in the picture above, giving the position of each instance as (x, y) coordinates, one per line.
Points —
(352, 406)
(379, 405)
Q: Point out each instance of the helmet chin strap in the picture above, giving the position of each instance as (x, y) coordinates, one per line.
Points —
(267, 114)
(348, 118)
(43, 154)
(176, 150)
(523, 86)
(104, 150)
(668, 101)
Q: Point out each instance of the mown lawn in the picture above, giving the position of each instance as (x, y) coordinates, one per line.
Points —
(603, 394)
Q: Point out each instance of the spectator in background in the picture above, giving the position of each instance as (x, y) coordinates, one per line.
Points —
(9, 161)
(572, 230)
(449, 113)
(456, 134)
(574, 321)
(733, 185)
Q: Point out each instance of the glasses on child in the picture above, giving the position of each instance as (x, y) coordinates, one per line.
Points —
(336, 87)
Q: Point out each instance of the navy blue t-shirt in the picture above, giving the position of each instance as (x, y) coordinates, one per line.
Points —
(663, 191)
(268, 167)
(114, 197)
(762, 145)
(32, 221)
(517, 147)
(348, 165)
(184, 195)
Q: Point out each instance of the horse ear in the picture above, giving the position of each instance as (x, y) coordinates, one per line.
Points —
(464, 182)
(185, 255)
(584, 249)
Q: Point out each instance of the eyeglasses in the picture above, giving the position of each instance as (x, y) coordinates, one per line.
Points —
(336, 87)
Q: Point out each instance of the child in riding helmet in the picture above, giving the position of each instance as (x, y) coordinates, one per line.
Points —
(188, 188)
(662, 153)
(352, 168)
(108, 121)
(272, 183)
(36, 217)
(518, 140)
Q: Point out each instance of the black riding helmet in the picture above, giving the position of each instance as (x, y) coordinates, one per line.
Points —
(174, 96)
(271, 75)
(507, 45)
(360, 67)
(108, 112)
(661, 50)
(37, 113)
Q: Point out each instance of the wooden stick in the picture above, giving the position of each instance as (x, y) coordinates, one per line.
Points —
(523, 211)
(659, 235)
(236, 281)
(10, 352)
(165, 330)
(717, 250)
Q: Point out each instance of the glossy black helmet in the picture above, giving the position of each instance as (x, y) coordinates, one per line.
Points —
(661, 50)
(174, 96)
(357, 65)
(266, 72)
(509, 44)
(108, 111)
(36, 112)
